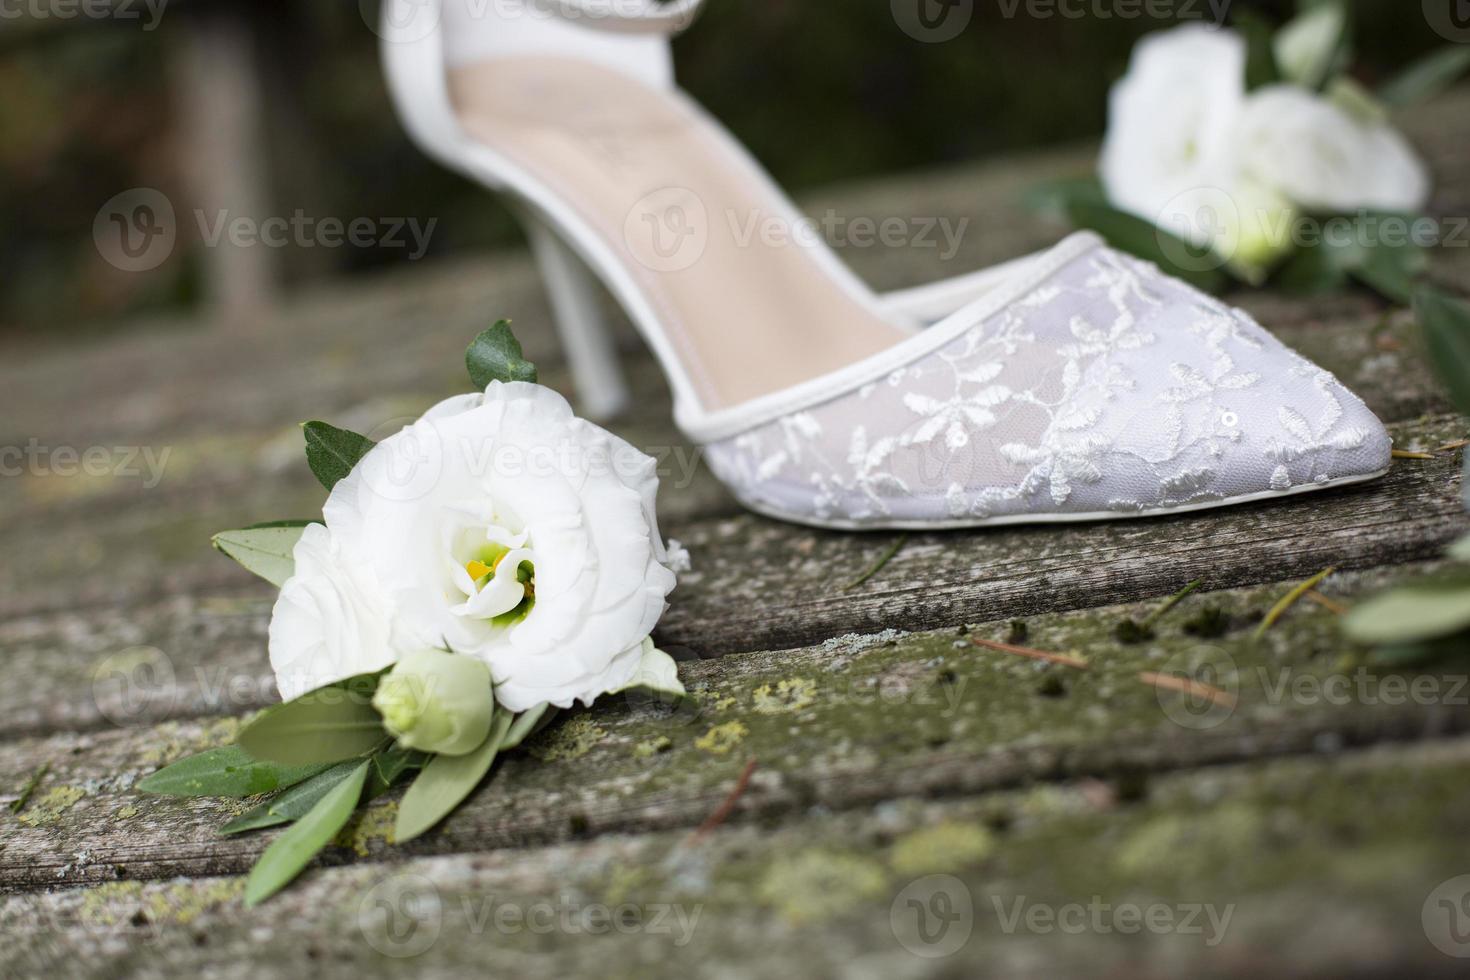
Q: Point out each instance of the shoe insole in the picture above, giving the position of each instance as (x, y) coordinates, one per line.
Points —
(739, 291)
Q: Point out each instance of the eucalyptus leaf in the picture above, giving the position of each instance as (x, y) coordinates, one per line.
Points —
(1424, 610)
(495, 355)
(1312, 46)
(228, 771)
(326, 725)
(1426, 77)
(332, 452)
(1132, 234)
(1446, 325)
(292, 804)
(265, 550)
(298, 844)
(521, 728)
(445, 782)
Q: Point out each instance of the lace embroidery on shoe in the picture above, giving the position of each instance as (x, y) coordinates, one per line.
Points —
(1109, 388)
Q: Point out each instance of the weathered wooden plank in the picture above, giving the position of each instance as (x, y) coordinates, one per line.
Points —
(1318, 866)
(843, 724)
(757, 583)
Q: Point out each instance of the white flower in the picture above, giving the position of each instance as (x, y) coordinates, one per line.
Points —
(1189, 151)
(330, 621)
(1322, 157)
(1170, 124)
(504, 528)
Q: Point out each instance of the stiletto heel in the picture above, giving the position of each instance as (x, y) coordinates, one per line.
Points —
(581, 322)
(1076, 384)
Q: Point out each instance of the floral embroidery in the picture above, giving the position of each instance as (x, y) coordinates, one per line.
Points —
(1110, 388)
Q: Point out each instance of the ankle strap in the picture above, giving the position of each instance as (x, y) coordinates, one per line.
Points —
(626, 16)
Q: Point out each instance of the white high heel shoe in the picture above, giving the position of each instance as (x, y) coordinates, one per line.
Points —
(1076, 384)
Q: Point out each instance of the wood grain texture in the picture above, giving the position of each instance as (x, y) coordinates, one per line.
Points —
(841, 725)
(1277, 861)
(756, 583)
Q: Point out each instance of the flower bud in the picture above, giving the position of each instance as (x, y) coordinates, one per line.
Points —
(437, 702)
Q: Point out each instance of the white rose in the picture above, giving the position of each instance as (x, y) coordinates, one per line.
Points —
(1324, 158)
(506, 528)
(1170, 124)
(330, 621)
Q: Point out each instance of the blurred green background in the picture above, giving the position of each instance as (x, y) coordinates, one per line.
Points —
(821, 91)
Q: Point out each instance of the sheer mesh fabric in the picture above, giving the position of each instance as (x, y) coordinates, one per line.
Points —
(1109, 389)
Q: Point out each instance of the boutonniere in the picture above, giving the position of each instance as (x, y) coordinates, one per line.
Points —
(493, 562)
(1253, 154)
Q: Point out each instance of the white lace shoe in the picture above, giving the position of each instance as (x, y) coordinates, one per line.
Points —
(1076, 384)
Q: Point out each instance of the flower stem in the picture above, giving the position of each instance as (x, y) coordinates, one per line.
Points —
(1290, 599)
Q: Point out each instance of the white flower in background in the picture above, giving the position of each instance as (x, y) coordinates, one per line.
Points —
(1170, 125)
(504, 528)
(1189, 151)
(1325, 158)
(330, 621)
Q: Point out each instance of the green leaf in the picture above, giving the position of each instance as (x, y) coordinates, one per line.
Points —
(389, 765)
(1446, 325)
(292, 804)
(1313, 46)
(1260, 58)
(294, 849)
(332, 452)
(522, 727)
(1132, 234)
(265, 550)
(444, 784)
(1426, 77)
(326, 725)
(228, 771)
(1313, 271)
(1425, 610)
(495, 355)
